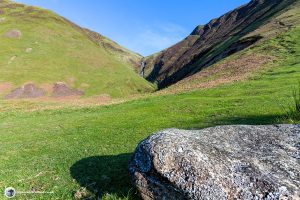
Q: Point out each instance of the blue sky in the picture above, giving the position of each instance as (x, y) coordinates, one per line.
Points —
(144, 26)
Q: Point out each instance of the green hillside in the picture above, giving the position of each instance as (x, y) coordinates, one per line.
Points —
(113, 48)
(47, 49)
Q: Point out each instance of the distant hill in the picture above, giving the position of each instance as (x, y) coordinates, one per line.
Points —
(220, 51)
(43, 54)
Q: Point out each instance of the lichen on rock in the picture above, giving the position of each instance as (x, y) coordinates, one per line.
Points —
(226, 162)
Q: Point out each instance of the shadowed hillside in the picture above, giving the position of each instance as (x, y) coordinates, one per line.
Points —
(233, 32)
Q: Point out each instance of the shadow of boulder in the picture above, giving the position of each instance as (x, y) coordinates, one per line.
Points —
(101, 175)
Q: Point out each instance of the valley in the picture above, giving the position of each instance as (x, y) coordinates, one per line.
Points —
(76, 137)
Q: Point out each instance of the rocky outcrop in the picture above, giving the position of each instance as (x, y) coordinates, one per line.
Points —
(14, 34)
(212, 42)
(226, 162)
(60, 89)
(26, 91)
(30, 90)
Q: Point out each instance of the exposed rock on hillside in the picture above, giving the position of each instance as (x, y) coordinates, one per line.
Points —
(15, 34)
(229, 162)
(212, 42)
(26, 91)
(62, 90)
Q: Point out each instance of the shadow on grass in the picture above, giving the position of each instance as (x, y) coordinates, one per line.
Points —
(102, 175)
(251, 120)
(216, 120)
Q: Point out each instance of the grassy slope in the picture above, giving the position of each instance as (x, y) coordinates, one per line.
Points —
(61, 150)
(60, 53)
(123, 54)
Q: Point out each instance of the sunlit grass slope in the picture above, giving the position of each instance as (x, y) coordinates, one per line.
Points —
(52, 49)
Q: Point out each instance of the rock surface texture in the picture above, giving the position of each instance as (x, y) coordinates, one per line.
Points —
(226, 162)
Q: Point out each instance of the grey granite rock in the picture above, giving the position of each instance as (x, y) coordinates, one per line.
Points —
(226, 162)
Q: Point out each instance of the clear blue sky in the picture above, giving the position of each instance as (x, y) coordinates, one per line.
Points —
(144, 26)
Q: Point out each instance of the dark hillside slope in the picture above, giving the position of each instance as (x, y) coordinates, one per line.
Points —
(214, 41)
(279, 47)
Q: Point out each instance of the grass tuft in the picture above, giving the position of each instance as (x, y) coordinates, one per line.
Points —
(293, 109)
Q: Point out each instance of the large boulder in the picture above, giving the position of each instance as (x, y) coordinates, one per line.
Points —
(226, 162)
